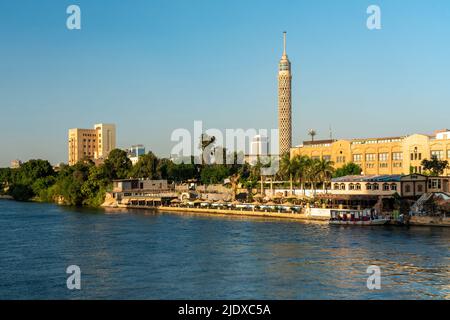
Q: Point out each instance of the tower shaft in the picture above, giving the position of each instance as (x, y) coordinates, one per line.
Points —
(284, 102)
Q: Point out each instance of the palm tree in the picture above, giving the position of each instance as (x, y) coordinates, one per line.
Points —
(288, 168)
(312, 133)
(325, 170)
(301, 168)
(234, 179)
(205, 141)
(312, 173)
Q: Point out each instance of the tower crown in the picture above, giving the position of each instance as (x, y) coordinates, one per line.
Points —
(285, 64)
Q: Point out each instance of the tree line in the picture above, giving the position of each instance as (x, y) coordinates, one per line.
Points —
(86, 183)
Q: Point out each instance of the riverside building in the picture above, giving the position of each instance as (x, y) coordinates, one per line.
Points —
(381, 156)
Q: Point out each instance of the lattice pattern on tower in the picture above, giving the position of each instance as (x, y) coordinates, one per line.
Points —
(284, 112)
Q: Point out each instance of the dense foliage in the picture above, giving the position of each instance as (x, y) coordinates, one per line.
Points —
(349, 169)
(434, 167)
(86, 183)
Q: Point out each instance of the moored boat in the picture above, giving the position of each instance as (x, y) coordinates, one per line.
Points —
(366, 217)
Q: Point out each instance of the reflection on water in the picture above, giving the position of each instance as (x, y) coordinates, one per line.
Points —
(146, 255)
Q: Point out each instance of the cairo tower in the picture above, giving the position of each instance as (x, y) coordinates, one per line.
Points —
(284, 102)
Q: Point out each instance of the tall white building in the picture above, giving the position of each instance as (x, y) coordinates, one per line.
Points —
(106, 139)
(259, 147)
(94, 144)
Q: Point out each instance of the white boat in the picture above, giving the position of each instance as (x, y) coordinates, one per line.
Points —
(367, 217)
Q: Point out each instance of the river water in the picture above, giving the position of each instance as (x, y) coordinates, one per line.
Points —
(141, 255)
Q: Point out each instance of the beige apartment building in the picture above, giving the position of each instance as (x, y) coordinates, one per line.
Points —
(94, 144)
(381, 156)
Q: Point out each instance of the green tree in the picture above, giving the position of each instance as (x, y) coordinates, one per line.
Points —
(214, 173)
(117, 164)
(146, 167)
(325, 171)
(435, 167)
(21, 192)
(31, 179)
(69, 183)
(95, 186)
(162, 168)
(288, 168)
(303, 164)
(349, 169)
(5, 179)
(41, 185)
(312, 173)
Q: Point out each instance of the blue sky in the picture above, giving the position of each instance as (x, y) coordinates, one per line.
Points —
(154, 66)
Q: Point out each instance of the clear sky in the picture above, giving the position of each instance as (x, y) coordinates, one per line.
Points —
(154, 66)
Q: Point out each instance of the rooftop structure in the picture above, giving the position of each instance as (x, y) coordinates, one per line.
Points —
(381, 156)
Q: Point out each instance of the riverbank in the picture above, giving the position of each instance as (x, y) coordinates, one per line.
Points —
(414, 221)
(229, 212)
(430, 221)
(4, 197)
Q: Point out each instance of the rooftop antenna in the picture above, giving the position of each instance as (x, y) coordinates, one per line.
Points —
(331, 133)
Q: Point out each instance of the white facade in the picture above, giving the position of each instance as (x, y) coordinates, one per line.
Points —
(444, 135)
(259, 147)
(106, 139)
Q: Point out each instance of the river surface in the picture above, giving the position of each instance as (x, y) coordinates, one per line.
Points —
(141, 255)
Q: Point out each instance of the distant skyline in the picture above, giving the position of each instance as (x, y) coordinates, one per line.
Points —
(154, 66)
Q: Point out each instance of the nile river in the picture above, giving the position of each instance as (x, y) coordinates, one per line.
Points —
(140, 255)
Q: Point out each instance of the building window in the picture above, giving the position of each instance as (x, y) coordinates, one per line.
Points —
(397, 164)
(351, 186)
(340, 159)
(408, 188)
(438, 154)
(434, 184)
(370, 157)
(357, 158)
(383, 165)
(385, 187)
(342, 186)
(358, 186)
(397, 156)
(370, 165)
(336, 186)
(375, 186)
(368, 186)
(393, 187)
(383, 157)
(419, 188)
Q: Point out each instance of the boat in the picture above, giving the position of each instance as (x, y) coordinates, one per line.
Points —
(366, 217)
